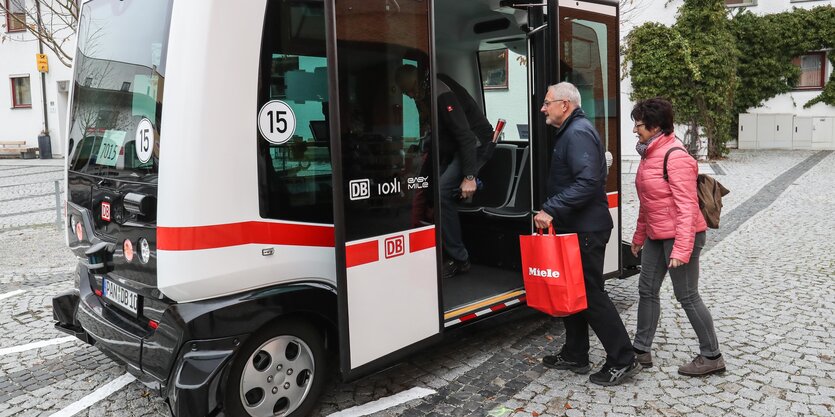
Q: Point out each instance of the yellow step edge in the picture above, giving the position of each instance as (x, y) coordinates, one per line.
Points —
(488, 302)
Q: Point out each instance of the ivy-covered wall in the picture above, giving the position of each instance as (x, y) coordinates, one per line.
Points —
(768, 44)
(715, 62)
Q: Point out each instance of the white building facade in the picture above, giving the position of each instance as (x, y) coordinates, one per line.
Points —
(780, 122)
(32, 105)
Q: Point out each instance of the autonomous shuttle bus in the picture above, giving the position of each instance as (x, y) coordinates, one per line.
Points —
(253, 199)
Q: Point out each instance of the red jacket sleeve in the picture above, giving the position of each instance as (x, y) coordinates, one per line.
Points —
(682, 171)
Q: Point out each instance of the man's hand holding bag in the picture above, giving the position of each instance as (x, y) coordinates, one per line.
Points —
(553, 273)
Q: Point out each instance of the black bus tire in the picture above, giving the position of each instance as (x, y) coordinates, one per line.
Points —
(271, 373)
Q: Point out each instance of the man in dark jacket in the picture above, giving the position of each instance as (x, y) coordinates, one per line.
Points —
(577, 203)
(462, 127)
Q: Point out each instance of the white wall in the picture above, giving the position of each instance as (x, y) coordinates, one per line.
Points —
(657, 11)
(17, 57)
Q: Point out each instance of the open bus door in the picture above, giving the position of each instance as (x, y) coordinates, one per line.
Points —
(388, 252)
(589, 59)
(386, 257)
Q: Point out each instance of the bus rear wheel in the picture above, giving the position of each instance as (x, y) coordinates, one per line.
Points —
(278, 372)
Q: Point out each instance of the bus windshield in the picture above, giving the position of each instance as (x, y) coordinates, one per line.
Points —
(119, 74)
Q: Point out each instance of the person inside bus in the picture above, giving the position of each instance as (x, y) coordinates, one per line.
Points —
(576, 203)
(671, 232)
(462, 127)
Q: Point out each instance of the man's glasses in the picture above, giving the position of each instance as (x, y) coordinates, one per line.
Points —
(637, 125)
(546, 102)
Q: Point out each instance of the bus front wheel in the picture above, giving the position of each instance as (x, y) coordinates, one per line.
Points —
(278, 372)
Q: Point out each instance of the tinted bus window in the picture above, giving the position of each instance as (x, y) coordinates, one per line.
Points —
(589, 60)
(384, 135)
(295, 176)
(121, 60)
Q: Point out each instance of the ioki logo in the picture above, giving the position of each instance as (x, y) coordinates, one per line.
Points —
(392, 187)
(544, 273)
(395, 246)
(359, 189)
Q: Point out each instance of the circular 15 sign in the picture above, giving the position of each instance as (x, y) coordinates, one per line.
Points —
(145, 136)
(277, 122)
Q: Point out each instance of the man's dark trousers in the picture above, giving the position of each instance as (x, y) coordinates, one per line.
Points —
(601, 314)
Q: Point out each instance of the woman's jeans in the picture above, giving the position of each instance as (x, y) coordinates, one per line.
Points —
(685, 278)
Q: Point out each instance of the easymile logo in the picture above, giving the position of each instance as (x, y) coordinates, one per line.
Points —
(544, 273)
(415, 183)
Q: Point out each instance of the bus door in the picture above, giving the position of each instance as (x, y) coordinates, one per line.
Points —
(386, 259)
(589, 59)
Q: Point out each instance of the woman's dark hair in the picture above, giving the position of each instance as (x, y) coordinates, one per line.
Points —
(654, 112)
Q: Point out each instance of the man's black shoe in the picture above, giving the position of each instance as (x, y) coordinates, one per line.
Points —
(608, 375)
(463, 266)
(558, 362)
(453, 267)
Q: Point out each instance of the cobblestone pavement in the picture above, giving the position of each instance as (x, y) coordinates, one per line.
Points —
(769, 283)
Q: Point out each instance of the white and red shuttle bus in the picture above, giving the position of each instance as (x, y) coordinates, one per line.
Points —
(250, 194)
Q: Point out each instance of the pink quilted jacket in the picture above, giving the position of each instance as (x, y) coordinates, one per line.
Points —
(668, 209)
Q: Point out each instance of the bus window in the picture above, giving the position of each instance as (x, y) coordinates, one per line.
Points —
(588, 59)
(295, 180)
(122, 88)
(384, 133)
(504, 76)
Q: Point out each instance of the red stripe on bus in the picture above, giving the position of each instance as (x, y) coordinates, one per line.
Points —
(362, 253)
(236, 234)
(468, 317)
(421, 240)
(613, 200)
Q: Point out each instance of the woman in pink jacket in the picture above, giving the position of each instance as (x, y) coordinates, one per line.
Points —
(671, 232)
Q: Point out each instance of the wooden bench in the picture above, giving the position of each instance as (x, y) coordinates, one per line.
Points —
(17, 148)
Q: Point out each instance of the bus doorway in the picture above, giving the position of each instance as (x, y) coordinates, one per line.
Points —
(505, 57)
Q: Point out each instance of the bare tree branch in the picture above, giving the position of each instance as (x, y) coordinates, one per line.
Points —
(62, 18)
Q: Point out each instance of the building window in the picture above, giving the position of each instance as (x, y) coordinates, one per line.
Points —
(738, 3)
(21, 92)
(493, 68)
(15, 15)
(812, 70)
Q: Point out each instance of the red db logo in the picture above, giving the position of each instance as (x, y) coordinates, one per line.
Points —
(105, 211)
(395, 246)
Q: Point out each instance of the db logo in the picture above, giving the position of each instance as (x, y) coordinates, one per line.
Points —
(395, 246)
(105, 211)
(359, 189)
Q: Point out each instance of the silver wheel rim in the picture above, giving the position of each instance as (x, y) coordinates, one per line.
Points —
(277, 377)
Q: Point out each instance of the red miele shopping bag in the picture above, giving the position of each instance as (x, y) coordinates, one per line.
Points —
(553, 273)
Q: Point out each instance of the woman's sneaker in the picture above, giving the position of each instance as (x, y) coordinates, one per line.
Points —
(701, 366)
(608, 375)
(559, 362)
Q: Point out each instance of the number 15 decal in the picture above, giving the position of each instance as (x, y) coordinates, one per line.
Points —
(276, 122)
(144, 140)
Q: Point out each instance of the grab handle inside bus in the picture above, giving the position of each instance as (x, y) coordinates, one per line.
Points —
(499, 128)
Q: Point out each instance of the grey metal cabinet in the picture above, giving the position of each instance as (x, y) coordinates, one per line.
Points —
(823, 133)
(802, 133)
(747, 131)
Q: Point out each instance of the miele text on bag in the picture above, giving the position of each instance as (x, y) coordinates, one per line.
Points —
(544, 273)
